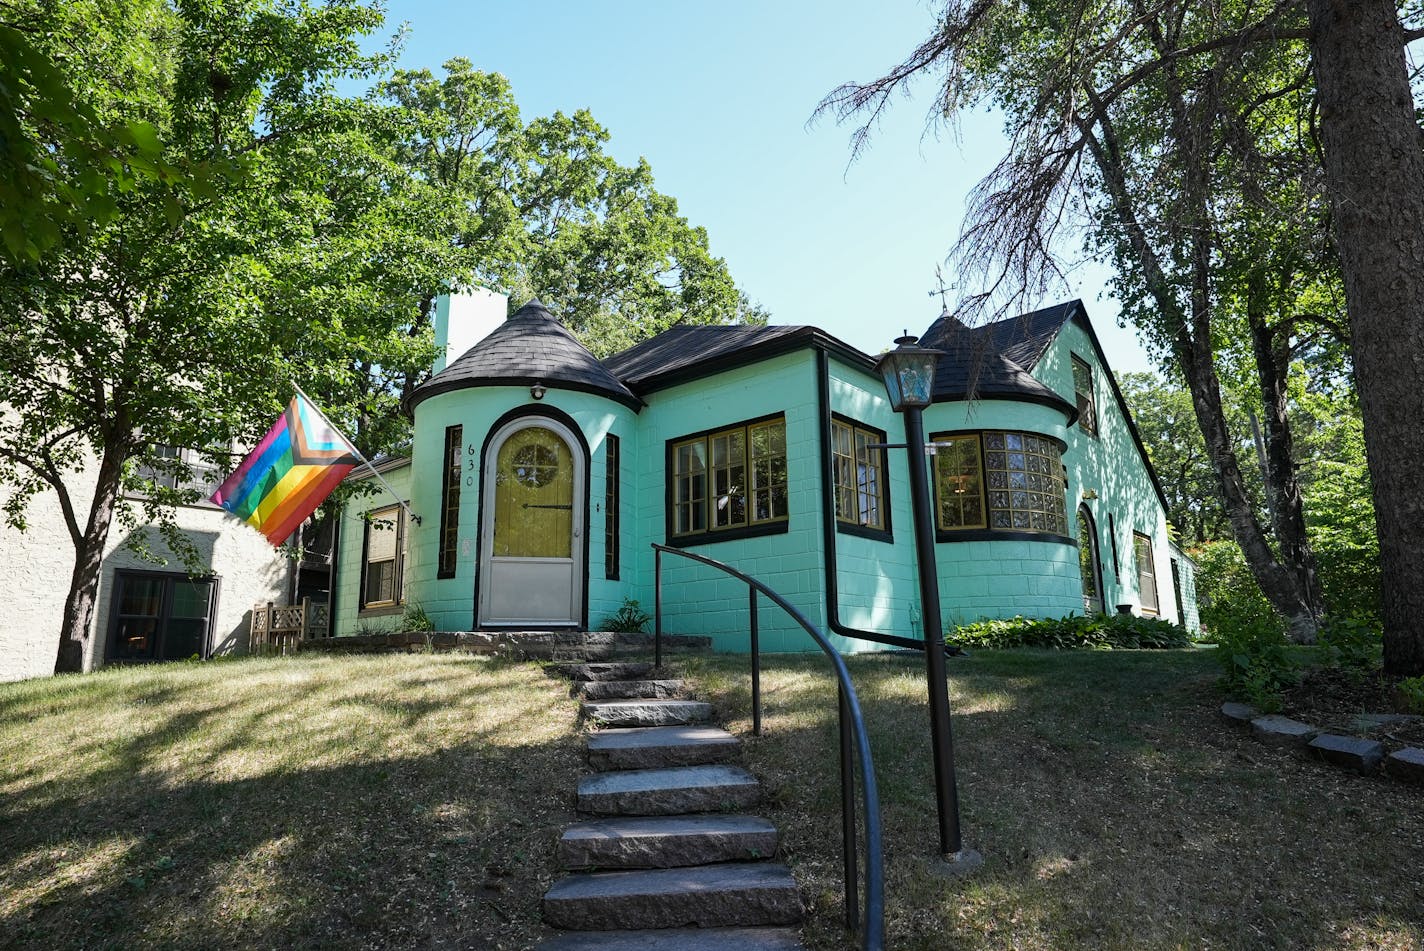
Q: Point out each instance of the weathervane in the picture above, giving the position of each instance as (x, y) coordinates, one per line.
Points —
(943, 290)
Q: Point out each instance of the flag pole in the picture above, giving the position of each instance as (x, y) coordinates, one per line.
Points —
(357, 453)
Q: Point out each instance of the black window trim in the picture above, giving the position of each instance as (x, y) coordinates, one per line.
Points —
(449, 554)
(708, 536)
(997, 534)
(1073, 361)
(886, 534)
(612, 506)
(112, 621)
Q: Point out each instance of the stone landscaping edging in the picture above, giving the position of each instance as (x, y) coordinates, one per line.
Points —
(1357, 754)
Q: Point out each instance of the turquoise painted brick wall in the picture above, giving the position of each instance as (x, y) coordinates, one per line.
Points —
(698, 599)
(1111, 465)
(877, 581)
(450, 602)
(346, 586)
(1005, 578)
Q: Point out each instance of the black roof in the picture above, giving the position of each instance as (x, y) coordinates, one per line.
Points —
(530, 347)
(977, 361)
(686, 352)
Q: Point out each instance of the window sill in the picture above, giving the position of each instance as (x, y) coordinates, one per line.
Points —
(381, 610)
(861, 531)
(1000, 535)
(729, 535)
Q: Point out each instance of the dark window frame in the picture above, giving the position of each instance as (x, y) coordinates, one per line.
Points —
(397, 605)
(988, 532)
(709, 535)
(170, 578)
(845, 526)
(452, 473)
(1087, 418)
(1156, 609)
(1086, 521)
(612, 499)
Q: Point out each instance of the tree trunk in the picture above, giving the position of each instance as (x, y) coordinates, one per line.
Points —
(89, 562)
(1374, 175)
(1287, 499)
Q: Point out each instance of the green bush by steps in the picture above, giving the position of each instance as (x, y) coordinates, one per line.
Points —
(1074, 632)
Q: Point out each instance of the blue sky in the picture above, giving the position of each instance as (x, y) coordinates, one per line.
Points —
(717, 98)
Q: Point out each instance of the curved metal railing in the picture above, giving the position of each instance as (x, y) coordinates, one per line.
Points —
(853, 741)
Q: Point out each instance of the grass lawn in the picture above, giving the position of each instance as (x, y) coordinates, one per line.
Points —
(386, 801)
(413, 801)
(1113, 807)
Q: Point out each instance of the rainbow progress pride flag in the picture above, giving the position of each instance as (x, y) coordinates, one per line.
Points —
(292, 471)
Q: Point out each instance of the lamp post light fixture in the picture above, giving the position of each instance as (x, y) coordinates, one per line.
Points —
(909, 373)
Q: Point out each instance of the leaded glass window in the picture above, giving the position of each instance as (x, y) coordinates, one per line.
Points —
(1013, 478)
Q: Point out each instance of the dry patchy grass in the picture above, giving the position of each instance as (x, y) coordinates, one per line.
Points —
(390, 801)
(1113, 807)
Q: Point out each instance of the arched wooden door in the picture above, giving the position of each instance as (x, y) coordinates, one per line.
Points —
(531, 549)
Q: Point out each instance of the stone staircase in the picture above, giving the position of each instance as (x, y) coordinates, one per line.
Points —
(668, 858)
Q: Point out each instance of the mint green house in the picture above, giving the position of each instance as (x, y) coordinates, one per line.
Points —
(539, 475)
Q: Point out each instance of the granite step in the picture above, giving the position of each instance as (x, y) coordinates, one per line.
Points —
(654, 747)
(666, 841)
(677, 939)
(707, 896)
(604, 671)
(626, 689)
(626, 713)
(668, 792)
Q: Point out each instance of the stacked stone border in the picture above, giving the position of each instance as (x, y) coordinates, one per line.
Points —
(1353, 753)
(520, 645)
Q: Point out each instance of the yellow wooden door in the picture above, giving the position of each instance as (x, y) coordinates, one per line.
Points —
(534, 496)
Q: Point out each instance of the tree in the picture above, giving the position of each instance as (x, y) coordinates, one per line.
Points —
(1374, 173)
(550, 214)
(1171, 133)
(180, 318)
(1165, 419)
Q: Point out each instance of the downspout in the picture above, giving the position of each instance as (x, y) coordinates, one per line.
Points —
(828, 518)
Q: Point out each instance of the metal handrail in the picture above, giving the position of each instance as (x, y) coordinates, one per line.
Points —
(852, 737)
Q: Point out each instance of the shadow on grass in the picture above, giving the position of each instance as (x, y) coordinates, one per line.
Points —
(1114, 809)
(330, 814)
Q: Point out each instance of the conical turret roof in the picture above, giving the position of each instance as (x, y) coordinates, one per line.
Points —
(530, 347)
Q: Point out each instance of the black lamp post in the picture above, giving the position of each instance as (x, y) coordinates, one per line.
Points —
(909, 372)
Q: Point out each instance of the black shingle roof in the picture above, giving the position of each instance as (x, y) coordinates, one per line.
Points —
(530, 347)
(688, 351)
(976, 361)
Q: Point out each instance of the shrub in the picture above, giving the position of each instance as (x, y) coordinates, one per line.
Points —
(1227, 593)
(1411, 692)
(629, 619)
(1075, 631)
(1352, 644)
(1256, 665)
(416, 620)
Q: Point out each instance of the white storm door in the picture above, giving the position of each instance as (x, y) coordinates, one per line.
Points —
(532, 532)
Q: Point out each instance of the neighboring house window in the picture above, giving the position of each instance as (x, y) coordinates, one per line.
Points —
(1146, 573)
(1015, 479)
(383, 581)
(860, 476)
(203, 476)
(612, 457)
(160, 616)
(452, 472)
(1083, 391)
(730, 480)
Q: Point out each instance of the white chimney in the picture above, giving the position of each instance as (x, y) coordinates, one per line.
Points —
(463, 320)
